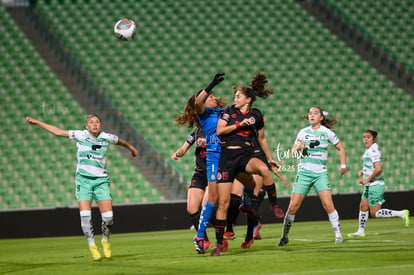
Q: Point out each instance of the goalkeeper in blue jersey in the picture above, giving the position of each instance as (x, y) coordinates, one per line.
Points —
(91, 180)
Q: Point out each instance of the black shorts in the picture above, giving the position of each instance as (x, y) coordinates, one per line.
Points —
(262, 156)
(233, 162)
(199, 180)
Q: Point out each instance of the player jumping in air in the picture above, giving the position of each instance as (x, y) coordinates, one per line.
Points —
(91, 178)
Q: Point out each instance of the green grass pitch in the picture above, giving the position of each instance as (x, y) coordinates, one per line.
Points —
(388, 248)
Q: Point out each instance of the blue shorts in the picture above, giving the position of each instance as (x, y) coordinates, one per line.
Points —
(212, 164)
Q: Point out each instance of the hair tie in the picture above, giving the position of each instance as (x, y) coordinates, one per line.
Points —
(325, 113)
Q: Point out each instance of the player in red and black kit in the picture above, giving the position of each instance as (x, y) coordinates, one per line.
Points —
(198, 186)
(253, 217)
(237, 129)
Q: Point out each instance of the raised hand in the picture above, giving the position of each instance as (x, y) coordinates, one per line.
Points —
(219, 77)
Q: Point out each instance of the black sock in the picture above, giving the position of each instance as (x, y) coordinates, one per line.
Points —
(251, 223)
(195, 217)
(271, 193)
(260, 197)
(220, 224)
(233, 212)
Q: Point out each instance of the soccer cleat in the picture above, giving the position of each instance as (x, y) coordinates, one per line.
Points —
(283, 241)
(246, 244)
(258, 237)
(207, 245)
(95, 253)
(225, 246)
(256, 234)
(277, 211)
(406, 217)
(339, 240)
(106, 249)
(356, 234)
(199, 245)
(229, 235)
(219, 248)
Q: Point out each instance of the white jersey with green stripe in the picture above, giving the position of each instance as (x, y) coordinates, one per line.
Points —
(315, 156)
(92, 152)
(371, 156)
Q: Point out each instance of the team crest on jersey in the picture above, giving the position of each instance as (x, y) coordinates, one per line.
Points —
(226, 116)
(252, 120)
(190, 139)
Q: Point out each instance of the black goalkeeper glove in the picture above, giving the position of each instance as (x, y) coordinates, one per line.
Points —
(216, 80)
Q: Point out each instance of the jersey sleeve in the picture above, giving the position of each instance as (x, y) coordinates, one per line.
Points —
(260, 120)
(332, 137)
(76, 134)
(299, 138)
(113, 139)
(225, 115)
(375, 155)
(191, 137)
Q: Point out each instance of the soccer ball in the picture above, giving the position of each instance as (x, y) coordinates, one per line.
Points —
(125, 29)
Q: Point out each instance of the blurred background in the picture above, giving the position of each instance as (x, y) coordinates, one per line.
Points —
(60, 60)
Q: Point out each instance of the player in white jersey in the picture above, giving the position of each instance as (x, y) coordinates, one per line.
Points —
(372, 179)
(91, 179)
(313, 142)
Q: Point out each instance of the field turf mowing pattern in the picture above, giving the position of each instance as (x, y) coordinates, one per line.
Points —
(388, 248)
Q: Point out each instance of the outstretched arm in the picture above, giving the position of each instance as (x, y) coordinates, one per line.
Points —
(204, 94)
(280, 176)
(50, 128)
(199, 102)
(125, 144)
(181, 152)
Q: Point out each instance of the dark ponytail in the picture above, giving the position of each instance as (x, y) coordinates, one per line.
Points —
(256, 88)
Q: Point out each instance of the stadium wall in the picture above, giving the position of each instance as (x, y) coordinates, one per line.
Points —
(64, 221)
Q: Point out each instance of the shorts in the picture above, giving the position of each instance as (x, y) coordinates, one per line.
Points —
(212, 164)
(199, 180)
(89, 188)
(374, 194)
(262, 156)
(233, 162)
(306, 179)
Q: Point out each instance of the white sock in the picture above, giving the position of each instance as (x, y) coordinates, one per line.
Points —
(363, 219)
(387, 213)
(287, 223)
(87, 228)
(107, 221)
(334, 219)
